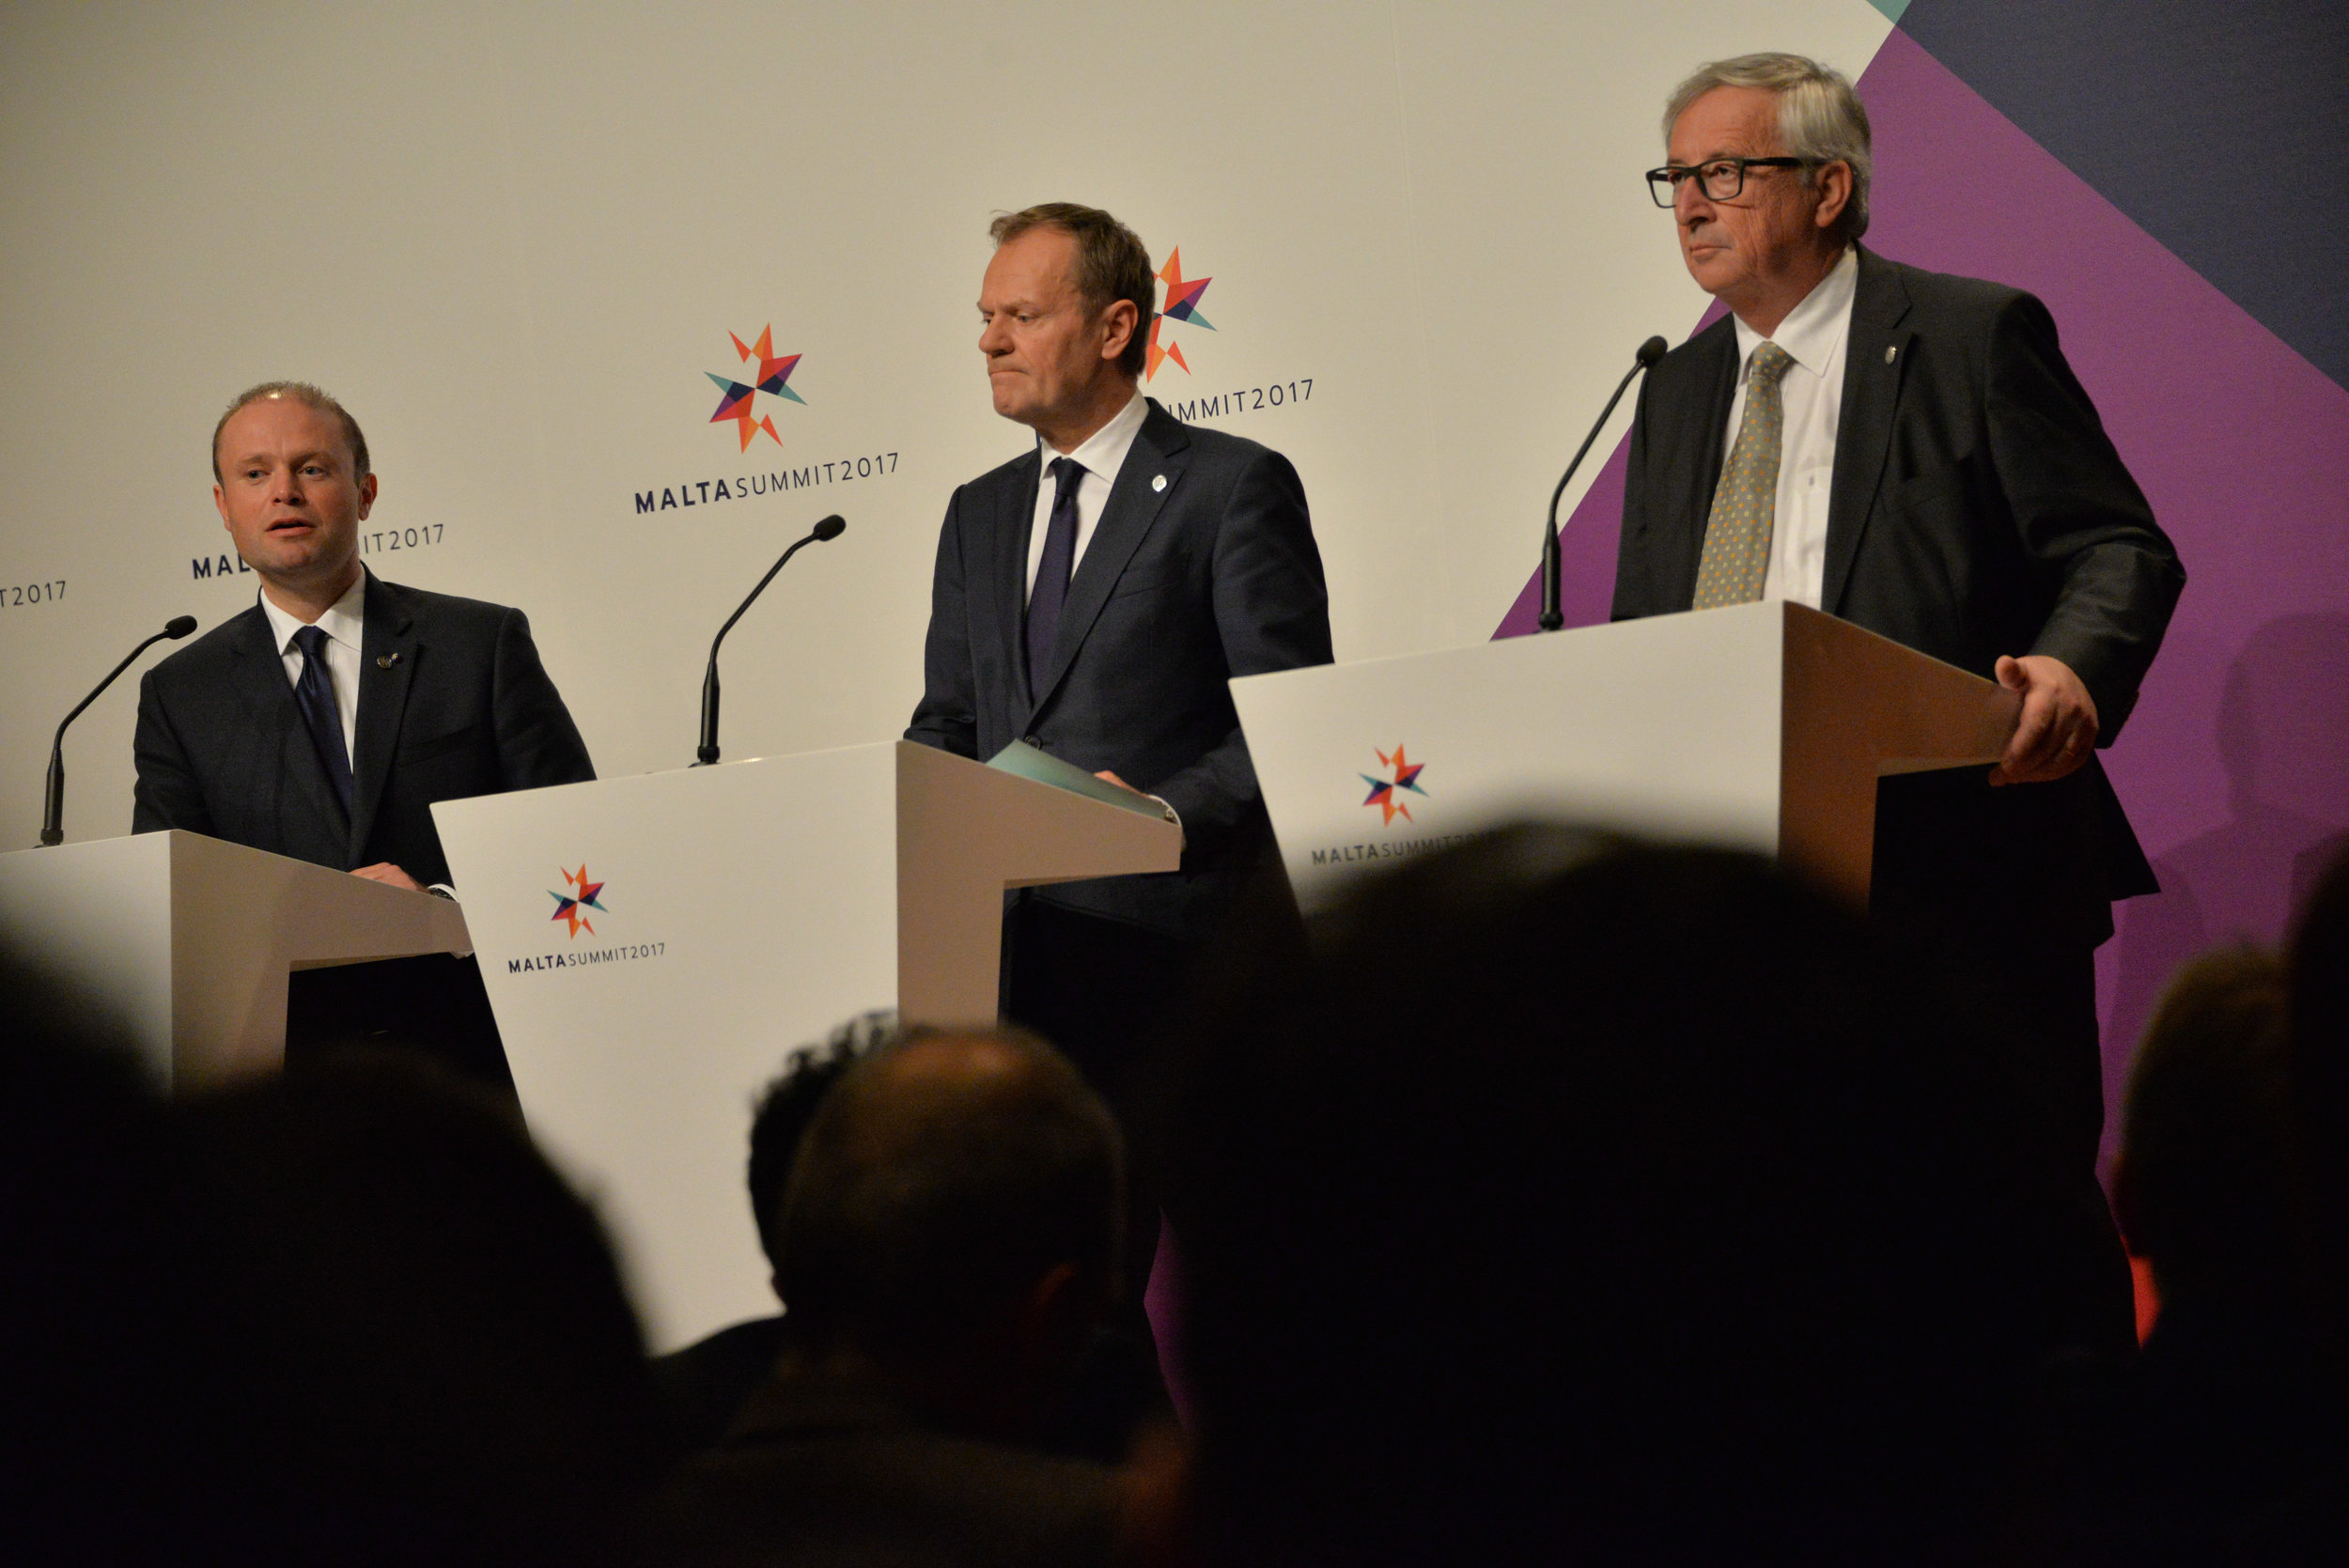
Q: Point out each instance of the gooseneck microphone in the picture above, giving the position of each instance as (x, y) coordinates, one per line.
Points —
(53, 813)
(1553, 617)
(830, 528)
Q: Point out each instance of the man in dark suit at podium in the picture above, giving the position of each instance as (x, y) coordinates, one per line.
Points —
(1094, 600)
(323, 722)
(1909, 451)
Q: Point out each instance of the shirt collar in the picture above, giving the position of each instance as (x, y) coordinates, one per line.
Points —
(1814, 328)
(1104, 451)
(344, 622)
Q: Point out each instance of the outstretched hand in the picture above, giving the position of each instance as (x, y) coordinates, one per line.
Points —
(2056, 731)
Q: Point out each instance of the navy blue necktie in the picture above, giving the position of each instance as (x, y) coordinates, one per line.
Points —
(1051, 574)
(313, 693)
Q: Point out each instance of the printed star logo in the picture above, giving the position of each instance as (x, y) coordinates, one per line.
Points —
(1386, 794)
(1182, 304)
(738, 402)
(584, 895)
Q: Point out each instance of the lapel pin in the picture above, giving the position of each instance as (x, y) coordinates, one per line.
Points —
(1160, 483)
(1889, 350)
(385, 660)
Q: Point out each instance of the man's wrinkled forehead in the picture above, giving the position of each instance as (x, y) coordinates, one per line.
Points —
(1744, 126)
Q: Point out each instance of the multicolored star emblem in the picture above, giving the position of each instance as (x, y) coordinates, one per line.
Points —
(584, 895)
(738, 402)
(1182, 304)
(1385, 793)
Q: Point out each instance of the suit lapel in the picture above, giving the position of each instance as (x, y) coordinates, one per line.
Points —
(1135, 501)
(387, 661)
(1875, 360)
(257, 673)
(1007, 579)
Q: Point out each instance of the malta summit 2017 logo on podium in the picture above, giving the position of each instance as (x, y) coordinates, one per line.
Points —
(572, 906)
(1387, 794)
(571, 910)
(1400, 778)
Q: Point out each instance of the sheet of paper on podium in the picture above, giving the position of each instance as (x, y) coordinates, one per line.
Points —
(1024, 761)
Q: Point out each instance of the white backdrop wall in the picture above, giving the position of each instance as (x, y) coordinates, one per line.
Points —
(514, 239)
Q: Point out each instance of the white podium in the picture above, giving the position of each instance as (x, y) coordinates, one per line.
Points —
(1763, 726)
(729, 915)
(187, 940)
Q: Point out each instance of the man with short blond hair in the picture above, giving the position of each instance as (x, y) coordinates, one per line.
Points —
(324, 722)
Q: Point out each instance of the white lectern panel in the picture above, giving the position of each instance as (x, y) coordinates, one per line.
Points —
(186, 940)
(1637, 726)
(654, 945)
(1764, 726)
(733, 912)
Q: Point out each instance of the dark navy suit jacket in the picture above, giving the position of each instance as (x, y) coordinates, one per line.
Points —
(1977, 508)
(453, 702)
(1202, 568)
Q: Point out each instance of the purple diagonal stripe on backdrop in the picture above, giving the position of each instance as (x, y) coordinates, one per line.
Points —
(2233, 767)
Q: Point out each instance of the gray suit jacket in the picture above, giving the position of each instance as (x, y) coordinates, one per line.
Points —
(1184, 585)
(453, 702)
(1977, 508)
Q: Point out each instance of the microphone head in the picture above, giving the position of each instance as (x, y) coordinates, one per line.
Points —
(830, 528)
(1651, 350)
(179, 626)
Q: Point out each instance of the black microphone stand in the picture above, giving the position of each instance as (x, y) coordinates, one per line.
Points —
(52, 810)
(1553, 617)
(707, 752)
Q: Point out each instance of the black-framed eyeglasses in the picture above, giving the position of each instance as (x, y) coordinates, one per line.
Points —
(1721, 178)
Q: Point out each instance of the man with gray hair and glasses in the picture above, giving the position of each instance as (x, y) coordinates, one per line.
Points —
(1909, 451)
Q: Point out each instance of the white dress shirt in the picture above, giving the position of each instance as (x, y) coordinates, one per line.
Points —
(1812, 394)
(342, 623)
(1101, 455)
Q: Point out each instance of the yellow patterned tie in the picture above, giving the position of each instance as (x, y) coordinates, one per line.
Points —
(1736, 554)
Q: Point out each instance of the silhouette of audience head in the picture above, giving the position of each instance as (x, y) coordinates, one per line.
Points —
(2209, 1188)
(348, 1316)
(1567, 1200)
(403, 1338)
(787, 1105)
(951, 1223)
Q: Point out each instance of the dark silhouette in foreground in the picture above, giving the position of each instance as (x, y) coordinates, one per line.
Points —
(947, 1246)
(1559, 1200)
(348, 1316)
(702, 1387)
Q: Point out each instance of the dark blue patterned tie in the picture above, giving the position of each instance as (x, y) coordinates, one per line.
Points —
(313, 693)
(1051, 574)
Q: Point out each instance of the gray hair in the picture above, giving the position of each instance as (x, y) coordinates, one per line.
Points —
(1820, 118)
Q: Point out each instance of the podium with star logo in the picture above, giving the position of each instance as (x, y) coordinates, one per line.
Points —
(1762, 726)
(189, 943)
(655, 946)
